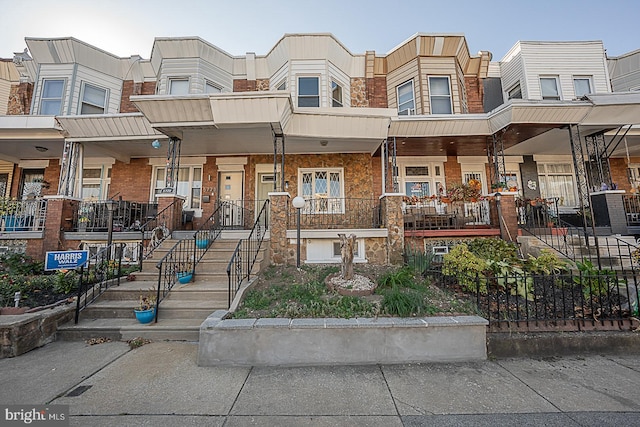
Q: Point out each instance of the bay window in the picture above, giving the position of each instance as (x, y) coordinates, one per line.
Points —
(406, 103)
(308, 91)
(440, 95)
(94, 99)
(51, 97)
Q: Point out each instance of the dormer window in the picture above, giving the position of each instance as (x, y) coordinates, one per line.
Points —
(406, 103)
(515, 92)
(211, 87)
(336, 94)
(178, 86)
(51, 98)
(308, 92)
(282, 85)
(549, 88)
(94, 99)
(582, 86)
(440, 95)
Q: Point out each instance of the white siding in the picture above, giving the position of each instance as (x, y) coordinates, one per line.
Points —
(562, 59)
(55, 72)
(512, 73)
(5, 90)
(309, 68)
(278, 76)
(401, 75)
(343, 80)
(441, 67)
(625, 72)
(197, 71)
(111, 84)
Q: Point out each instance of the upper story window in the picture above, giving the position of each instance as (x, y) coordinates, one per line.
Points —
(282, 85)
(308, 91)
(336, 94)
(406, 102)
(211, 87)
(515, 92)
(582, 85)
(178, 86)
(440, 95)
(51, 99)
(549, 88)
(94, 99)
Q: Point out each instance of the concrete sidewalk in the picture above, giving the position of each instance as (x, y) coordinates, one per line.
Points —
(160, 384)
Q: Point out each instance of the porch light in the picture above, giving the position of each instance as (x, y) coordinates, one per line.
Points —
(298, 203)
(324, 142)
(156, 144)
(41, 148)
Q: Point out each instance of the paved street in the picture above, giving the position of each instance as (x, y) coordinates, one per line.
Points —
(160, 384)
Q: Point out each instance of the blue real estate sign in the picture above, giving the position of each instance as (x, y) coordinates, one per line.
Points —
(65, 260)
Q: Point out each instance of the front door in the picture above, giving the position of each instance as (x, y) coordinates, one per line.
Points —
(264, 187)
(230, 191)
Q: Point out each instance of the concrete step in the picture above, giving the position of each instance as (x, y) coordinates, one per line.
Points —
(168, 309)
(122, 329)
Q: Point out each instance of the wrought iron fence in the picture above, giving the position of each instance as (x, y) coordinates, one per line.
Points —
(93, 216)
(155, 230)
(604, 299)
(100, 272)
(23, 215)
(246, 253)
(239, 214)
(631, 204)
(331, 213)
(437, 215)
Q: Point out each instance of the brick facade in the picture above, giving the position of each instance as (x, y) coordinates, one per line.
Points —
(130, 88)
(244, 85)
(377, 92)
(20, 99)
(132, 181)
(475, 94)
(452, 171)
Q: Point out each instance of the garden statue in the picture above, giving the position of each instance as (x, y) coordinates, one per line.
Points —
(347, 246)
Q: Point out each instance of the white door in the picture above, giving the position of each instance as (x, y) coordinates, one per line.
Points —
(230, 191)
(263, 188)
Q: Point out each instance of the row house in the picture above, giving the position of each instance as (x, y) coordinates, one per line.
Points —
(374, 143)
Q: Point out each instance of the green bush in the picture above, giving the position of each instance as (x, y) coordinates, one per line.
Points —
(402, 277)
(494, 249)
(460, 262)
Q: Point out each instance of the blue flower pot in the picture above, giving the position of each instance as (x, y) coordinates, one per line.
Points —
(202, 243)
(184, 277)
(145, 316)
(13, 223)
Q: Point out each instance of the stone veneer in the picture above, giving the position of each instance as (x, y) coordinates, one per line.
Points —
(359, 92)
(20, 99)
(394, 221)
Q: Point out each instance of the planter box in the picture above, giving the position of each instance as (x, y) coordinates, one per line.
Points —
(299, 342)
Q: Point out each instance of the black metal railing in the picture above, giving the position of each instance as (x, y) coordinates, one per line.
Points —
(454, 215)
(332, 213)
(246, 253)
(631, 204)
(239, 214)
(22, 215)
(155, 230)
(604, 299)
(179, 264)
(100, 272)
(93, 216)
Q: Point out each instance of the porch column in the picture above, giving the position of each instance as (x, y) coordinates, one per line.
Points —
(508, 217)
(278, 224)
(172, 218)
(391, 204)
(71, 168)
(59, 210)
(608, 211)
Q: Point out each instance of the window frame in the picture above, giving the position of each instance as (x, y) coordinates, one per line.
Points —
(211, 84)
(157, 186)
(547, 97)
(90, 104)
(589, 80)
(171, 80)
(545, 174)
(513, 89)
(60, 100)
(432, 97)
(336, 102)
(434, 177)
(317, 208)
(104, 181)
(409, 111)
(306, 96)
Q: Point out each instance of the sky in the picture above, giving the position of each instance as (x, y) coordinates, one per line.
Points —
(126, 28)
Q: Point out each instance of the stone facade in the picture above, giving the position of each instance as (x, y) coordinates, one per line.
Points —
(278, 222)
(262, 84)
(376, 251)
(394, 221)
(20, 99)
(359, 92)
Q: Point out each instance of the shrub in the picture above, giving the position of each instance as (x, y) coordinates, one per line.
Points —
(460, 262)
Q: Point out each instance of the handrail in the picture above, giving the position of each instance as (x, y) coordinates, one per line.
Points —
(183, 257)
(97, 274)
(238, 270)
(157, 232)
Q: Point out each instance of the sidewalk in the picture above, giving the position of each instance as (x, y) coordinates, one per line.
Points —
(160, 384)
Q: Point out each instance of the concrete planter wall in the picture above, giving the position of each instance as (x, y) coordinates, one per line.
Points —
(299, 342)
(24, 332)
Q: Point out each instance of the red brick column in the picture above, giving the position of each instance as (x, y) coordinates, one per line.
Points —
(172, 217)
(278, 224)
(508, 217)
(394, 222)
(58, 220)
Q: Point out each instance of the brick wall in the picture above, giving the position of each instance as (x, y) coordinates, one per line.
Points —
(129, 88)
(52, 177)
(377, 92)
(452, 171)
(244, 85)
(20, 99)
(619, 173)
(131, 181)
(475, 94)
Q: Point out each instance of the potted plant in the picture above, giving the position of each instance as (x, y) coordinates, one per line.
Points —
(184, 272)
(8, 210)
(146, 309)
(469, 192)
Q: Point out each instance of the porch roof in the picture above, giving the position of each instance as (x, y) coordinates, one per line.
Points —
(20, 135)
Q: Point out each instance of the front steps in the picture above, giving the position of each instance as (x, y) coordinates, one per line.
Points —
(180, 313)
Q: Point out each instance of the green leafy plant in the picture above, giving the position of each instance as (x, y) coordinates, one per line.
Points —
(400, 277)
(594, 281)
(467, 267)
(546, 263)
